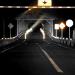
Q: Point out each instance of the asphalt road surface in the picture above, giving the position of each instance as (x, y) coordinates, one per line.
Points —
(41, 57)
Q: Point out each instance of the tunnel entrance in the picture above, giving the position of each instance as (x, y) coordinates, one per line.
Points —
(37, 34)
(26, 20)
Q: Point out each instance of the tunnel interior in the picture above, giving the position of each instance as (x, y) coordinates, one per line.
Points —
(37, 29)
(35, 35)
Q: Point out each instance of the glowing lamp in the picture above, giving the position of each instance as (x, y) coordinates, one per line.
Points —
(56, 26)
(62, 25)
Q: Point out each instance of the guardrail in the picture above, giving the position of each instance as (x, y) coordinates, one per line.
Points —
(6, 41)
(64, 41)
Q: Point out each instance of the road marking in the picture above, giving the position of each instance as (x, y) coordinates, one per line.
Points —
(11, 48)
(7, 49)
(51, 60)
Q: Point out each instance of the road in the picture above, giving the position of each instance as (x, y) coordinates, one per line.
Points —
(41, 57)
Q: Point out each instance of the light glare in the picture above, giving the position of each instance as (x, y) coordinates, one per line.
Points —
(27, 32)
(69, 23)
(47, 3)
(43, 33)
(62, 25)
(56, 26)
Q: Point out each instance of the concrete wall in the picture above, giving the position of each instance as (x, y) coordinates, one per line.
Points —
(21, 26)
(48, 26)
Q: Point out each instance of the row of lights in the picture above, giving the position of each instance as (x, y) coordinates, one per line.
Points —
(29, 7)
(69, 23)
(8, 38)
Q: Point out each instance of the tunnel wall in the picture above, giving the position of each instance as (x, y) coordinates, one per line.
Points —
(22, 26)
(48, 27)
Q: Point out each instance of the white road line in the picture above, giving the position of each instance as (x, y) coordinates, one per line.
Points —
(7, 49)
(51, 60)
(11, 48)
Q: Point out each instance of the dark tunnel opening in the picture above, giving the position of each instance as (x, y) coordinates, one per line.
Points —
(36, 35)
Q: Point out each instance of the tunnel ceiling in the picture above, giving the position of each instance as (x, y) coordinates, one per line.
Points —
(34, 14)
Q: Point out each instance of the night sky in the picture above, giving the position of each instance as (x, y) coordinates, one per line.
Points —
(34, 2)
(8, 15)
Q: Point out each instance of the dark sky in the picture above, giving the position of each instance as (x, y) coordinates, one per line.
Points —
(34, 2)
(8, 15)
